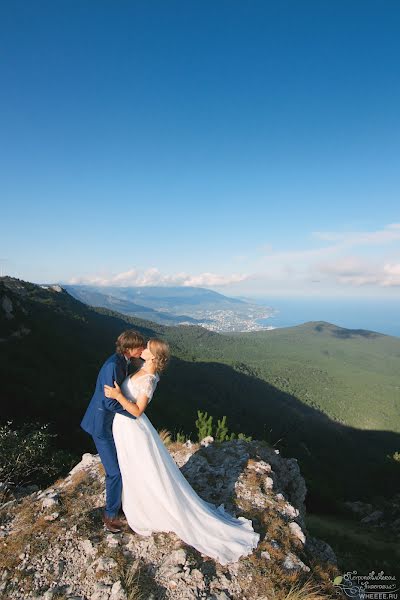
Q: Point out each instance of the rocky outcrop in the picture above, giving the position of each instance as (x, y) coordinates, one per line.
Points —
(384, 515)
(54, 545)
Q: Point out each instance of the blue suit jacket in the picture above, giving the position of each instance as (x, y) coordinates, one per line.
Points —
(100, 413)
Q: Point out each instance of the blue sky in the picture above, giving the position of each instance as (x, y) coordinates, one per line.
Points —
(251, 147)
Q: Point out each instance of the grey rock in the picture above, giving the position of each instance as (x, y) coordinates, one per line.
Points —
(321, 550)
(169, 571)
(374, 517)
(178, 557)
(118, 592)
(50, 501)
(293, 563)
(3, 585)
(105, 564)
(89, 461)
(359, 508)
(100, 594)
(112, 541)
(260, 467)
(297, 532)
(88, 548)
(61, 567)
(197, 575)
(207, 441)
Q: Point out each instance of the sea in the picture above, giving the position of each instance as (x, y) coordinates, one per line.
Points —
(375, 314)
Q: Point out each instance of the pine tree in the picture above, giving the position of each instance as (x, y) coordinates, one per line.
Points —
(221, 432)
(204, 425)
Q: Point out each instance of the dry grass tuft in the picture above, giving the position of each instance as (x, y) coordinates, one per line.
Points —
(175, 446)
(303, 591)
(165, 436)
(29, 530)
(78, 480)
(130, 579)
(58, 483)
(83, 483)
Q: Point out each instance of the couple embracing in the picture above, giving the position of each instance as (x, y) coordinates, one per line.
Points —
(140, 472)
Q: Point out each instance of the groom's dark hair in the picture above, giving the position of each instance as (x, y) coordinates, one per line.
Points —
(128, 340)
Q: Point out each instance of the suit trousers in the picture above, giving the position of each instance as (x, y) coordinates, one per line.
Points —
(108, 455)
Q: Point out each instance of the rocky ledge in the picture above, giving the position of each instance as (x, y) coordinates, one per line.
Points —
(53, 545)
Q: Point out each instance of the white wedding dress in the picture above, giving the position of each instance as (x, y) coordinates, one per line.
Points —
(157, 497)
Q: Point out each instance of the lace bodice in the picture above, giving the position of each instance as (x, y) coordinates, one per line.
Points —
(143, 384)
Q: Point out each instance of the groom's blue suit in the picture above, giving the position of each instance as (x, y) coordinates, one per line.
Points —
(98, 421)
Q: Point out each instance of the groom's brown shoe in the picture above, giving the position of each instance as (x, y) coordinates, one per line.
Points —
(113, 525)
(121, 517)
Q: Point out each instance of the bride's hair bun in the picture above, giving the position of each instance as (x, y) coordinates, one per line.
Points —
(161, 352)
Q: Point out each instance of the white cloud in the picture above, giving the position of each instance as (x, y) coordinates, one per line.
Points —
(332, 265)
(390, 233)
(341, 260)
(355, 271)
(392, 275)
(154, 277)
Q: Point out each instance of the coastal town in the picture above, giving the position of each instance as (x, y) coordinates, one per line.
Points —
(223, 321)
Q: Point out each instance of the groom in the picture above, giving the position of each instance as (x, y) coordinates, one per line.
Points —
(99, 417)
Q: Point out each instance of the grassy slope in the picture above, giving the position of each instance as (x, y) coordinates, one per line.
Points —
(357, 547)
(354, 377)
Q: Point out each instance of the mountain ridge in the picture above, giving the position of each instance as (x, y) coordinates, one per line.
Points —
(181, 305)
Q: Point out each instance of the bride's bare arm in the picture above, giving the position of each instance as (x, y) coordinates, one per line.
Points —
(134, 408)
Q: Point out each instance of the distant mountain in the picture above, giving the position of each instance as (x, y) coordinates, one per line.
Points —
(175, 299)
(353, 375)
(94, 297)
(175, 305)
(286, 386)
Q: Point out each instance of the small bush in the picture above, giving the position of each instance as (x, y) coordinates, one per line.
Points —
(165, 436)
(205, 428)
(204, 425)
(27, 455)
(221, 432)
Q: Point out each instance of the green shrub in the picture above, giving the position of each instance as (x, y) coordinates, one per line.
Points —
(204, 425)
(221, 432)
(246, 438)
(27, 455)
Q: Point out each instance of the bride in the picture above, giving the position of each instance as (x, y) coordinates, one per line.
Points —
(155, 494)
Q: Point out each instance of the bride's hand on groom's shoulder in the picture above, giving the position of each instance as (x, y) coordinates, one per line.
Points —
(112, 392)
